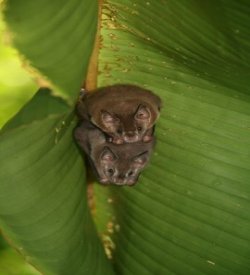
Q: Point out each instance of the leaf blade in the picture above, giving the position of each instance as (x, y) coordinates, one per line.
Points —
(62, 42)
(43, 204)
(189, 212)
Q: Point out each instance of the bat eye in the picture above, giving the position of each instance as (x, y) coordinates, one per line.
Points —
(139, 129)
(130, 173)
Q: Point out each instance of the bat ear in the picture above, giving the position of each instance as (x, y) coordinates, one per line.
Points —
(108, 118)
(107, 155)
(83, 93)
(141, 159)
(142, 113)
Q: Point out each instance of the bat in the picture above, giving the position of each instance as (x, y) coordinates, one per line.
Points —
(126, 113)
(113, 164)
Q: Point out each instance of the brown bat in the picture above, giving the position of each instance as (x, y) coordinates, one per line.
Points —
(113, 164)
(126, 113)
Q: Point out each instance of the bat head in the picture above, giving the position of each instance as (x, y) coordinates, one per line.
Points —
(127, 128)
(113, 168)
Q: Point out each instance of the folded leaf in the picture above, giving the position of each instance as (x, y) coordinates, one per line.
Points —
(56, 38)
(189, 214)
(43, 204)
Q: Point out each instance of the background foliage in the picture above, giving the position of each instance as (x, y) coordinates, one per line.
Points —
(189, 214)
(16, 85)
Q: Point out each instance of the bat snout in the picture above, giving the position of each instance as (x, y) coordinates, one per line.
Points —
(130, 133)
(131, 136)
(122, 176)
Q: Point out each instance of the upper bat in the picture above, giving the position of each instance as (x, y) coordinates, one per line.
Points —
(127, 113)
(113, 164)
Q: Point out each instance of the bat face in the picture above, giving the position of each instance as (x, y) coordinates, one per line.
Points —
(114, 164)
(114, 169)
(128, 128)
(126, 113)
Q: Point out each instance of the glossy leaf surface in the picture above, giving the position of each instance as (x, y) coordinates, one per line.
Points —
(43, 205)
(56, 37)
(189, 214)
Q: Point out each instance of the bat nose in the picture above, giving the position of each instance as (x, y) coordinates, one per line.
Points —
(122, 176)
(130, 133)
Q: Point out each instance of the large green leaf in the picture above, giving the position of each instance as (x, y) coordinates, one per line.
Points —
(43, 205)
(56, 37)
(189, 214)
(42, 105)
(12, 264)
(16, 85)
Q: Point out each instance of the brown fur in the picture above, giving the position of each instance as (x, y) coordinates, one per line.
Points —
(122, 159)
(122, 102)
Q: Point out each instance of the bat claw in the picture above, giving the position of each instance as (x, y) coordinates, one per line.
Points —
(147, 138)
(110, 139)
(116, 140)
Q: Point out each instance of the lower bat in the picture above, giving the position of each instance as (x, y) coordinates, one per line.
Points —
(114, 164)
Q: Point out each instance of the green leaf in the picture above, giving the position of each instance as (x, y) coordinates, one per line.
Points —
(56, 38)
(189, 214)
(16, 84)
(12, 264)
(43, 104)
(43, 204)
